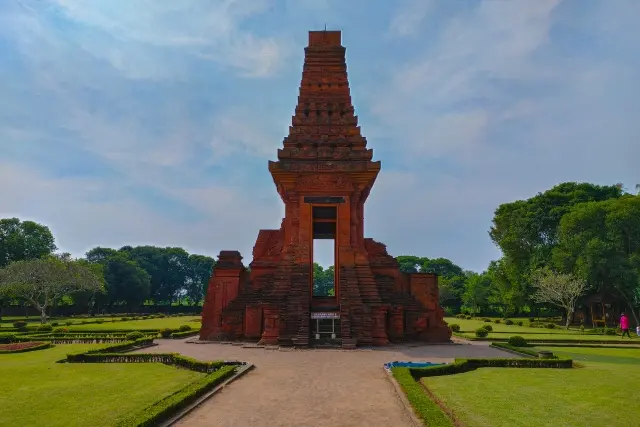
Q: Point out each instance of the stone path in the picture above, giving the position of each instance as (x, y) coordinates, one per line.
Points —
(320, 388)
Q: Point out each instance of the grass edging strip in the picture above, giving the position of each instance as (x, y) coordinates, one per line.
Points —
(193, 405)
(403, 398)
(426, 409)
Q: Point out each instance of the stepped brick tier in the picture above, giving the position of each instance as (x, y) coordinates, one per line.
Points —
(324, 175)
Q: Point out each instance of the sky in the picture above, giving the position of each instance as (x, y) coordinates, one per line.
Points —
(132, 122)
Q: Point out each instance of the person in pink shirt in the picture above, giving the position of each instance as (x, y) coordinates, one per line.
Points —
(624, 325)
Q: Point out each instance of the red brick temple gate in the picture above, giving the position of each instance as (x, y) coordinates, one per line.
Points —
(324, 175)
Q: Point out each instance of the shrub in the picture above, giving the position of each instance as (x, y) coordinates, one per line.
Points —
(550, 326)
(610, 332)
(135, 335)
(166, 332)
(508, 322)
(497, 321)
(61, 330)
(459, 316)
(517, 341)
(454, 327)
(160, 315)
(45, 328)
(20, 324)
(481, 332)
(532, 319)
(54, 323)
(124, 319)
(184, 328)
(468, 317)
(487, 328)
(486, 320)
(68, 323)
(84, 322)
(519, 323)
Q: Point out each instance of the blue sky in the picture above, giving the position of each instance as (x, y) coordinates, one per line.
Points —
(151, 121)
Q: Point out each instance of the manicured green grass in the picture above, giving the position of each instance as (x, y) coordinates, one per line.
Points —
(503, 332)
(36, 391)
(602, 392)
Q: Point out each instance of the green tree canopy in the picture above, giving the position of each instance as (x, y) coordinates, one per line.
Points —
(600, 241)
(43, 281)
(24, 240)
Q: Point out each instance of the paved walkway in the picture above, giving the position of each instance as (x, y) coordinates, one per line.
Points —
(320, 388)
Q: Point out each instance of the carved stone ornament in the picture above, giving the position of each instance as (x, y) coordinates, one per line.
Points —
(324, 182)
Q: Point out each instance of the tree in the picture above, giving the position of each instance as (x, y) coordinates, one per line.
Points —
(41, 282)
(24, 240)
(167, 267)
(198, 275)
(323, 280)
(476, 292)
(559, 289)
(600, 241)
(527, 231)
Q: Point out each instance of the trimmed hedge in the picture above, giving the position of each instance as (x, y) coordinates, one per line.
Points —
(7, 337)
(165, 408)
(466, 365)
(185, 334)
(426, 409)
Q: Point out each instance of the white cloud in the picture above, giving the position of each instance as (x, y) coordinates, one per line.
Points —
(409, 17)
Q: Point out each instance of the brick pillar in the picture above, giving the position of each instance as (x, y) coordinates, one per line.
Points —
(224, 287)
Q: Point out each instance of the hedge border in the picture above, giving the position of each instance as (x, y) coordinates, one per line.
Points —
(41, 346)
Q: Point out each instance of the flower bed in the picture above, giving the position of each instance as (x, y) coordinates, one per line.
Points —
(21, 347)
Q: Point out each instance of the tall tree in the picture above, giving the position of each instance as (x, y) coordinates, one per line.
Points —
(197, 277)
(24, 240)
(600, 241)
(476, 293)
(43, 281)
(527, 230)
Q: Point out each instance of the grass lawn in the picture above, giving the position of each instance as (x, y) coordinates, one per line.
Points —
(602, 393)
(502, 331)
(36, 391)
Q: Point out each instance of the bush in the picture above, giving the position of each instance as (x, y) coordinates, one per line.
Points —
(481, 332)
(517, 341)
(486, 320)
(519, 323)
(160, 315)
(20, 324)
(550, 325)
(468, 317)
(45, 328)
(532, 319)
(497, 321)
(54, 323)
(124, 319)
(135, 335)
(61, 330)
(508, 322)
(100, 321)
(610, 332)
(454, 327)
(487, 328)
(184, 328)
(166, 333)
(68, 323)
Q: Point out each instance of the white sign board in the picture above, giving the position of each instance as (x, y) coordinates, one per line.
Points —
(325, 315)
